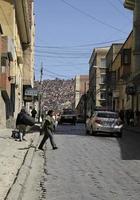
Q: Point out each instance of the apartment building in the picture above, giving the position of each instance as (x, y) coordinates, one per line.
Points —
(134, 79)
(17, 56)
(111, 55)
(81, 87)
(121, 71)
(97, 77)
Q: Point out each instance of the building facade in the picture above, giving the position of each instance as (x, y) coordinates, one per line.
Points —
(17, 56)
(122, 69)
(134, 5)
(97, 77)
(81, 87)
(111, 55)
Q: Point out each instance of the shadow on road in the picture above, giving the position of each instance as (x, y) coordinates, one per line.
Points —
(68, 129)
(130, 146)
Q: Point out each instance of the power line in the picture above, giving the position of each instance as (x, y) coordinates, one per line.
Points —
(92, 17)
(74, 47)
(83, 45)
(117, 9)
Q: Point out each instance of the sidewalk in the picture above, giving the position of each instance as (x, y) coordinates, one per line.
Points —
(15, 157)
(135, 129)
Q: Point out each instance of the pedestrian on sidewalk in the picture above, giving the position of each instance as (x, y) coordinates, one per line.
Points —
(48, 129)
(20, 124)
(34, 112)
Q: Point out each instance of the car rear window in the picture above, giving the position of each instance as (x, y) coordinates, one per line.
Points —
(68, 112)
(107, 115)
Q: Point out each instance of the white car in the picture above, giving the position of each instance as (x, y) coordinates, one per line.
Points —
(104, 122)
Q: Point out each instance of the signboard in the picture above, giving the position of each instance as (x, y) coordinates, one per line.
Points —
(31, 92)
(28, 98)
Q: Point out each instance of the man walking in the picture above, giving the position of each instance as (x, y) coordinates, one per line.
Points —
(33, 112)
(48, 129)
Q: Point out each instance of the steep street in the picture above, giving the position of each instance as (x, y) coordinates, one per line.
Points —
(88, 167)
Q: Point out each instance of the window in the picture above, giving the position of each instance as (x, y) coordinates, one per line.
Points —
(103, 62)
(103, 95)
(102, 87)
(126, 57)
(103, 78)
(107, 115)
(3, 64)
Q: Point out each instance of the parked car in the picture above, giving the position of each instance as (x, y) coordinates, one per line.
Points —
(104, 122)
(68, 116)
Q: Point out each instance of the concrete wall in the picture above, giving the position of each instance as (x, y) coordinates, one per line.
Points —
(2, 112)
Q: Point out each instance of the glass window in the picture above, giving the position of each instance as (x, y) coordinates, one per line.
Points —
(126, 56)
(103, 95)
(103, 78)
(107, 115)
(103, 62)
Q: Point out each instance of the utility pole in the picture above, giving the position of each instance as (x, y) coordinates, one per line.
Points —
(85, 101)
(40, 93)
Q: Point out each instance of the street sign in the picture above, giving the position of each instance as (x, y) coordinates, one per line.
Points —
(31, 92)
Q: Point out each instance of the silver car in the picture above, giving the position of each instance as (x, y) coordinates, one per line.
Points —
(104, 122)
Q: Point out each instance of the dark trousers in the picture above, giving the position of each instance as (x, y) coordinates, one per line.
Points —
(47, 134)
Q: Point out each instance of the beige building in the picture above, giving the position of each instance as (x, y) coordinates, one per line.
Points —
(110, 79)
(134, 79)
(121, 71)
(97, 75)
(81, 87)
(17, 56)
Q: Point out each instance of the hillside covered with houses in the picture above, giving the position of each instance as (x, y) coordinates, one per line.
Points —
(57, 94)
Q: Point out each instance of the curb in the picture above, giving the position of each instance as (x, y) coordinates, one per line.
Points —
(132, 129)
(15, 192)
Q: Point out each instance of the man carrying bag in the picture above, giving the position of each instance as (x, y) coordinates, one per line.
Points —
(48, 129)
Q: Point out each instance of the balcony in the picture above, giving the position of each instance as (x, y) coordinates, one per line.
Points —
(102, 99)
(8, 47)
(130, 4)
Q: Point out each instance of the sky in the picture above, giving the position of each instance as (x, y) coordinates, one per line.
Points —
(67, 31)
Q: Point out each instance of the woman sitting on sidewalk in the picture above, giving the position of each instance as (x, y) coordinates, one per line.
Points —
(20, 124)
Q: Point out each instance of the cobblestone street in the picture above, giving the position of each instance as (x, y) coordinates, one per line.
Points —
(91, 168)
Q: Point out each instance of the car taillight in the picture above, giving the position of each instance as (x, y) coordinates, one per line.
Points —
(98, 121)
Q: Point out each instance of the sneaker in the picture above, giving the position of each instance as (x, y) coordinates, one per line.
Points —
(55, 148)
